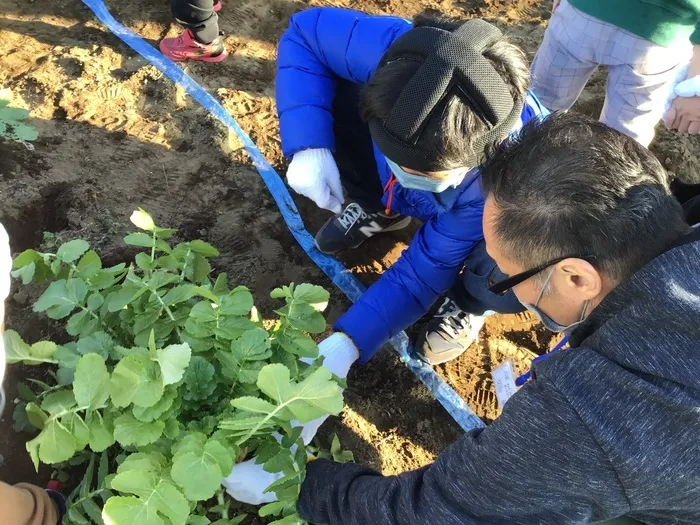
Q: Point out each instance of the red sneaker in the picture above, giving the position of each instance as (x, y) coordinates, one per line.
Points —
(185, 47)
(217, 6)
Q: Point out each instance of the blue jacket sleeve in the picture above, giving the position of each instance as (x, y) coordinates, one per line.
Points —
(424, 271)
(321, 45)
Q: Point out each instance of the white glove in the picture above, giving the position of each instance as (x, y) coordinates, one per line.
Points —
(5, 268)
(679, 81)
(5, 264)
(247, 480)
(340, 353)
(314, 174)
(690, 87)
(682, 111)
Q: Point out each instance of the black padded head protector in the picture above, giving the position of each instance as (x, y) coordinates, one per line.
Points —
(452, 65)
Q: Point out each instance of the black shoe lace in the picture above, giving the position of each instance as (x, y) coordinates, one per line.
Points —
(455, 325)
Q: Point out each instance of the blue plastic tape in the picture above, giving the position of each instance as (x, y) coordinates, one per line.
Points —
(336, 271)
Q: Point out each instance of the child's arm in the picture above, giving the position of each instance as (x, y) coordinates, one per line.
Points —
(429, 267)
(320, 45)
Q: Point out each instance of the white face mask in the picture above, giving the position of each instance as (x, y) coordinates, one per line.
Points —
(549, 323)
(420, 182)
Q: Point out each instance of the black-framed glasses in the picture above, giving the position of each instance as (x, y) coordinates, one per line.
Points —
(502, 287)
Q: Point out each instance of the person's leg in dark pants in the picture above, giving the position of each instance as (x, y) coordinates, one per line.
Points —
(354, 153)
(199, 17)
(456, 324)
(201, 39)
(365, 215)
(689, 197)
(471, 292)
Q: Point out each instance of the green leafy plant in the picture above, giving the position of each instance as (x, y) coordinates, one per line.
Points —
(11, 125)
(168, 378)
(335, 452)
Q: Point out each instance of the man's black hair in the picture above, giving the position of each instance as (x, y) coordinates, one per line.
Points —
(454, 127)
(567, 185)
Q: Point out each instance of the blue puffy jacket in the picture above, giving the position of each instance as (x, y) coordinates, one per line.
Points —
(321, 45)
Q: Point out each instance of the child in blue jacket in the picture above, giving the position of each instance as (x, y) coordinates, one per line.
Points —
(385, 120)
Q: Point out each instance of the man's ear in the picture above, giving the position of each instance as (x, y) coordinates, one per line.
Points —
(581, 277)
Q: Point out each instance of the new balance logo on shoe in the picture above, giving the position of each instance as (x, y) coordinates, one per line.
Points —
(371, 229)
(353, 226)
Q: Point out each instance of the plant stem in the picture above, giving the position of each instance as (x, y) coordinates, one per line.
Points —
(34, 360)
(165, 307)
(72, 411)
(153, 248)
(184, 267)
(99, 319)
(296, 469)
(222, 504)
(263, 421)
(49, 390)
(86, 497)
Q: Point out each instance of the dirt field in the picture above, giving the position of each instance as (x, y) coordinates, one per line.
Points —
(115, 134)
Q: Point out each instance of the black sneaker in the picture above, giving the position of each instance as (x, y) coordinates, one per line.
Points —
(353, 226)
(448, 334)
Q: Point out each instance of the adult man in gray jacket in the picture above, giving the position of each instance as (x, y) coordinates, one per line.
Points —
(582, 220)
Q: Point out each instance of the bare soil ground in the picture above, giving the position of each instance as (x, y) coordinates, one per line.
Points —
(115, 135)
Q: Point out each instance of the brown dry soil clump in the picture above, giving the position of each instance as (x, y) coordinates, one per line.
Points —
(115, 135)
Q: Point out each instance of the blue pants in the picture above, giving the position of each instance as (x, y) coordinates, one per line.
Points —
(471, 290)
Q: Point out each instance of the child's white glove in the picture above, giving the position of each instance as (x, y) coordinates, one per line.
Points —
(679, 80)
(340, 353)
(5, 264)
(682, 112)
(690, 87)
(247, 483)
(247, 480)
(5, 268)
(314, 174)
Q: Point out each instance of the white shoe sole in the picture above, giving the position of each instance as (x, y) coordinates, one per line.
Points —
(403, 223)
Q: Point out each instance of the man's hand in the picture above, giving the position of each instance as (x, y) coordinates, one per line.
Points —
(314, 174)
(247, 480)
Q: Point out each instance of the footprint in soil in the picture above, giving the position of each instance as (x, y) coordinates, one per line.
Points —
(71, 66)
